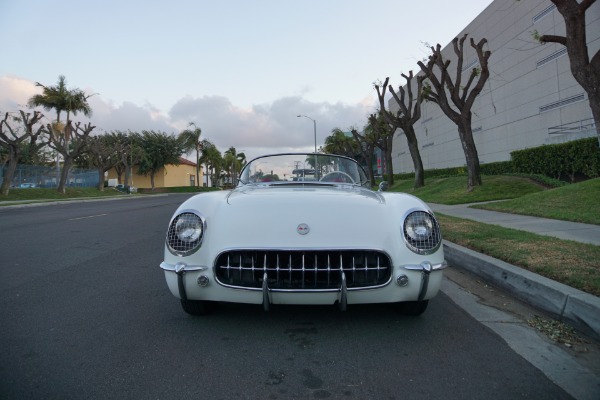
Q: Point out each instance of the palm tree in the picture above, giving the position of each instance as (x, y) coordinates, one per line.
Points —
(339, 143)
(242, 159)
(211, 156)
(52, 97)
(191, 141)
(366, 143)
(235, 161)
(229, 162)
(60, 99)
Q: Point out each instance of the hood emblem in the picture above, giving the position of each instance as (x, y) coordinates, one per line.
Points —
(303, 229)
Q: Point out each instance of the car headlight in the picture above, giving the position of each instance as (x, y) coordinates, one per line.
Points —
(421, 232)
(185, 233)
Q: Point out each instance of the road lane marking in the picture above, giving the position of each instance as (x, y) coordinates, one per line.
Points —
(90, 216)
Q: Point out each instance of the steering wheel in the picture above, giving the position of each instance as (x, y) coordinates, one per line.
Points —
(337, 176)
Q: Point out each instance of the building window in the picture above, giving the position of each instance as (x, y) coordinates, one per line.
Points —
(471, 65)
(562, 103)
(543, 13)
(551, 57)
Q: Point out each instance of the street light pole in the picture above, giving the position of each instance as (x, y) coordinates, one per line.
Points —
(315, 128)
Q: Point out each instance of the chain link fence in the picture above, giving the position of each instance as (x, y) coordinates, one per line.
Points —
(44, 176)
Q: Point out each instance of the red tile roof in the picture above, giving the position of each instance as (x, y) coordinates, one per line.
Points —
(185, 161)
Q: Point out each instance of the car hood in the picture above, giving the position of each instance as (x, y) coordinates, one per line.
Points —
(270, 217)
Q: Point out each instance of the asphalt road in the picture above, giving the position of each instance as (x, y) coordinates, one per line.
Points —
(86, 314)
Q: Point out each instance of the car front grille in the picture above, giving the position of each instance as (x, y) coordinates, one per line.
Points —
(303, 270)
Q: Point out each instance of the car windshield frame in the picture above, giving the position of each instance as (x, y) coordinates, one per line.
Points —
(300, 169)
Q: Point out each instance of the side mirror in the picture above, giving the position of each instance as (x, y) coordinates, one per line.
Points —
(383, 186)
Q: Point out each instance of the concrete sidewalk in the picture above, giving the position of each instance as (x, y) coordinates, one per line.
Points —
(584, 233)
(580, 309)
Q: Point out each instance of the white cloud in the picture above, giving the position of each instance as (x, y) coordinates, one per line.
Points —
(127, 116)
(15, 92)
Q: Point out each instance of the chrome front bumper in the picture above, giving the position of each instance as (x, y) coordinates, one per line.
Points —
(401, 279)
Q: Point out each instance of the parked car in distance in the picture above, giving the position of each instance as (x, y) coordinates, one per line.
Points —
(126, 189)
(279, 238)
(27, 185)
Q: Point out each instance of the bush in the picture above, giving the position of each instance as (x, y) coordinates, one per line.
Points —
(436, 173)
(542, 180)
(564, 161)
(498, 168)
(495, 168)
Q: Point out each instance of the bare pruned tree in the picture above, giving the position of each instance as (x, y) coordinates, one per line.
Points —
(69, 149)
(458, 101)
(408, 114)
(586, 71)
(384, 136)
(11, 139)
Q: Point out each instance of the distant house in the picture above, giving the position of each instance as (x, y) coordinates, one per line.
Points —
(183, 174)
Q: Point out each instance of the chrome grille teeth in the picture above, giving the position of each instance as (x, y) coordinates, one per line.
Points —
(303, 270)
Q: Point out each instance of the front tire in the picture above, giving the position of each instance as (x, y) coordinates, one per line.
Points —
(412, 308)
(197, 307)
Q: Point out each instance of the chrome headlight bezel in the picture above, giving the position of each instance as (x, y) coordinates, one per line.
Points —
(421, 232)
(186, 233)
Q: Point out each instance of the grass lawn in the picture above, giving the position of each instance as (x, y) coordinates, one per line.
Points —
(51, 194)
(578, 202)
(37, 194)
(574, 264)
(453, 190)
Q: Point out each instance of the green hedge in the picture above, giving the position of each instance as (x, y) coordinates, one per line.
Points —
(564, 161)
(495, 168)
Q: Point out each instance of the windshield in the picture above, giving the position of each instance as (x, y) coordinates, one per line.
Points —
(303, 168)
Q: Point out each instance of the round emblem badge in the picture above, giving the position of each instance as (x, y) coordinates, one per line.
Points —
(303, 229)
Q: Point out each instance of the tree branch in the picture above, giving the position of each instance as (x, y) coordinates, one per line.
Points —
(553, 39)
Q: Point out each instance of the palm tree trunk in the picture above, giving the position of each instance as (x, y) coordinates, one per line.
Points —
(198, 150)
(64, 174)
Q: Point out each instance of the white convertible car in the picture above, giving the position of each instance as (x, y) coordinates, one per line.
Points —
(303, 229)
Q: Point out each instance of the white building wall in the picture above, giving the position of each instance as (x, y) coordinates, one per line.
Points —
(519, 103)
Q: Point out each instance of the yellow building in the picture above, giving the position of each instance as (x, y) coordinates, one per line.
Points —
(183, 174)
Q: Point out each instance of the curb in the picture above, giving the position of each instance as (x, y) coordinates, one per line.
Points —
(580, 309)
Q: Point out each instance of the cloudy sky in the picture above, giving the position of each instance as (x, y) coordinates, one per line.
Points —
(242, 70)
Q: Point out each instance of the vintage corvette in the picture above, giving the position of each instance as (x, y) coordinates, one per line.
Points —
(303, 229)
